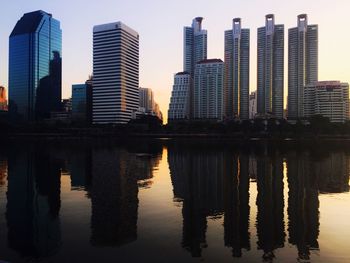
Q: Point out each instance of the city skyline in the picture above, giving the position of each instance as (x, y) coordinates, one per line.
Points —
(77, 42)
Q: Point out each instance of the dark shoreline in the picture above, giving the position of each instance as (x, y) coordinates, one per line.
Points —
(163, 136)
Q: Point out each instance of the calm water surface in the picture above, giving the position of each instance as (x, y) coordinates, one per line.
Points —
(174, 201)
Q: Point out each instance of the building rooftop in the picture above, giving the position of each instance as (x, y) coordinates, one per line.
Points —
(115, 25)
(208, 61)
(182, 73)
(29, 23)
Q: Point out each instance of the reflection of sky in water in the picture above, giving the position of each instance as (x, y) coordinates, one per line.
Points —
(115, 204)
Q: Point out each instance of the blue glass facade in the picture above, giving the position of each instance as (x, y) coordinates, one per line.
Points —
(35, 67)
(79, 101)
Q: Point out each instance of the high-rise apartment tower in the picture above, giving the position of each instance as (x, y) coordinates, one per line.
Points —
(270, 68)
(302, 64)
(237, 71)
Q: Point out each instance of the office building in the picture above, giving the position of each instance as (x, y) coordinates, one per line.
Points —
(3, 99)
(237, 71)
(327, 98)
(146, 99)
(209, 90)
(81, 101)
(179, 107)
(35, 68)
(195, 45)
(147, 104)
(302, 64)
(115, 73)
(270, 68)
(252, 105)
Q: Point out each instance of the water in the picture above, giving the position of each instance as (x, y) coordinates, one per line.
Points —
(174, 201)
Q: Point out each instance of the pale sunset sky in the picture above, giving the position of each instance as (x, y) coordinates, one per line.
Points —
(160, 26)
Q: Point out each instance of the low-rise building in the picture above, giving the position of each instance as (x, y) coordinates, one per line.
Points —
(179, 106)
(252, 105)
(327, 98)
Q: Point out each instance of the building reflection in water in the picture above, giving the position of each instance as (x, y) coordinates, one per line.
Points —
(270, 203)
(211, 183)
(236, 204)
(3, 171)
(303, 204)
(116, 174)
(33, 203)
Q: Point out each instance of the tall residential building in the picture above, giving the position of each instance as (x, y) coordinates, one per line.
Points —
(237, 71)
(270, 68)
(116, 73)
(35, 67)
(179, 107)
(194, 50)
(209, 90)
(195, 45)
(302, 63)
(252, 105)
(3, 99)
(327, 98)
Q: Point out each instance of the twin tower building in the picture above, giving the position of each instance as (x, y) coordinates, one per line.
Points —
(212, 89)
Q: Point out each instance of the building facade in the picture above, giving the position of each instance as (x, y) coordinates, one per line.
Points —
(35, 67)
(252, 105)
(147, 103)
(237, 45)
(209, 90)
(327, 98)
(146, 99)
(179, 107)
(115, 73)
(82, 101)
(270, 68)
(195, 45)
(3, 99)
(302, 64)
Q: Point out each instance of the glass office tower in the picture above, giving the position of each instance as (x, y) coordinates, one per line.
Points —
(35, 68)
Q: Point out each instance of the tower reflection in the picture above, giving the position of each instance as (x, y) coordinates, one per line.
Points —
(303, 204)
(211, 183)
(33, 203)
(270, 203)
(117, 174)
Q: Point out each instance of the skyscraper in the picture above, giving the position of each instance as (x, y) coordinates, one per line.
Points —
(35, 68)
(237, 71)
(208, 90)
(179, 107)
(116, 73)
(302, 64)
(195, 50)
(270, 68)
(195, 45)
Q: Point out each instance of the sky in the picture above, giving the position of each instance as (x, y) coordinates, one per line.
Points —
(160, 26)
